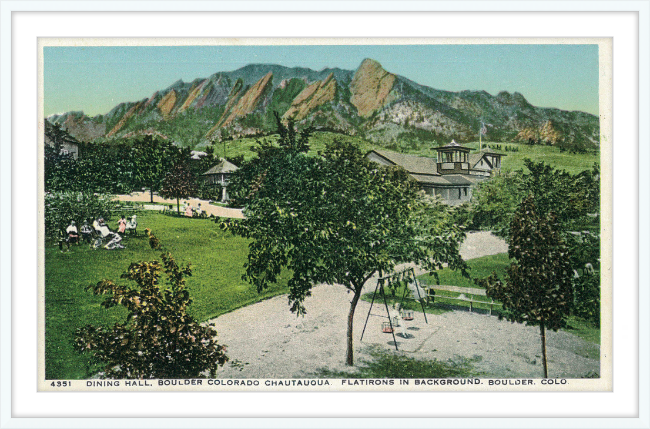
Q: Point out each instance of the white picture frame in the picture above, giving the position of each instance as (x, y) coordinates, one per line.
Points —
(23, 406)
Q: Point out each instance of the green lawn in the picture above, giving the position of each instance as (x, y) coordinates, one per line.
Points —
(216, 286)
(478, 268)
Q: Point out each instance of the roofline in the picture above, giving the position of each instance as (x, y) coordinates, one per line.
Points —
(453, 148)
(487, 152)
(373, 150)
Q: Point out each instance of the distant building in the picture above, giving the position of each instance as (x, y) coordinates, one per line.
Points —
(451, 175)
(68, 144)
(220, 175)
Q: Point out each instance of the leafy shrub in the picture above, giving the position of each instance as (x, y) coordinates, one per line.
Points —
(158, 339)
(205, 191)
(584, 251)
(62, 207)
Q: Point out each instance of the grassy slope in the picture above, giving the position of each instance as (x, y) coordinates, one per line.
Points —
(215, 285)
(317, 143)
(573, 163)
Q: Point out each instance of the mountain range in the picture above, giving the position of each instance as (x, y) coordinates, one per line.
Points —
(370, 102)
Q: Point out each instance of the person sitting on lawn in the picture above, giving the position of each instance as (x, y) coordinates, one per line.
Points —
(102, 228)
(73, 233)
(132, 225)
(86, 232)
(199, 211)
(188, 210)
(121, 225)
(106, 232)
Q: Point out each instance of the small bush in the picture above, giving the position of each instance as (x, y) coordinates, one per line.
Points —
(158, 339)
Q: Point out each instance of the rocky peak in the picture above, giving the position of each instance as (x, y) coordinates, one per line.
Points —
(371, 87)
(250, 100)
(311, 97)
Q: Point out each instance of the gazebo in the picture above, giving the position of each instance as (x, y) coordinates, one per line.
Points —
(220, 175)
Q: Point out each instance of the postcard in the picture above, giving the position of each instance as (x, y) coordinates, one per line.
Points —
(325, 215)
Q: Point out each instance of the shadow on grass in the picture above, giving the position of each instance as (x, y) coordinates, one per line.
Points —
(386, 364)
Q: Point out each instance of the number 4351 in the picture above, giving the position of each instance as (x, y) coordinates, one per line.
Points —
(61, 384)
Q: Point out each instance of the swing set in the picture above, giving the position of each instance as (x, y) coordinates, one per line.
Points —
(393, 281)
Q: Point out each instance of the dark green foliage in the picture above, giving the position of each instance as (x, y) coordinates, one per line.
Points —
(178, 183)
(585, 260)
(574, 198)
(59, 168)
(63, 207)
(153, 158)
(538, 289)
(494, 203)
(158, 339)
(206, 191)
(290, 140)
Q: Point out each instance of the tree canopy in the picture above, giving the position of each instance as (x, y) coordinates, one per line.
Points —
(336, 218)
(178, 183)
(538, 288)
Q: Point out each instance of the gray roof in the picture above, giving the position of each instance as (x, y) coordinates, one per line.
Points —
(413, 164)
(475, 157)
(222, 167)
(452, 146)
(448, 180)
(425, 179)
(457, 179)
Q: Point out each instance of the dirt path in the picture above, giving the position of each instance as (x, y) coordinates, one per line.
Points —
(266, 340)
(144, 197)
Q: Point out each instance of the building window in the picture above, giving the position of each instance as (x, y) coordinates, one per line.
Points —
(465, 191)
(459, 193)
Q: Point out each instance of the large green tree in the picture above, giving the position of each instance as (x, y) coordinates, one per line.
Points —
(178, 183)
(336, 218)
(153, 158)
(538, 287)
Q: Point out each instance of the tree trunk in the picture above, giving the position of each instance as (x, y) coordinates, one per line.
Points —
(353, 305)
(178, 206)
(151, 193)
(543, 335)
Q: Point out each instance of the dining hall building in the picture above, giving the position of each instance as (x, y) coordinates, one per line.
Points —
(451, 175)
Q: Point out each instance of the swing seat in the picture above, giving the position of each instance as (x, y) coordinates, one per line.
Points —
(407, 314)
(386, 328)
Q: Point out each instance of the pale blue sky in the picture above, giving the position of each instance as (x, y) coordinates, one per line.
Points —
(95, 79)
